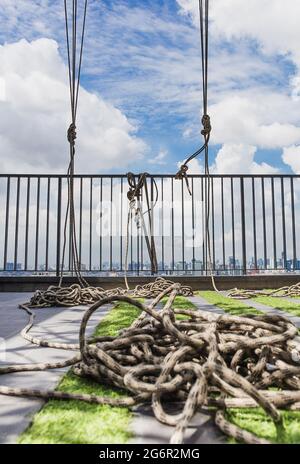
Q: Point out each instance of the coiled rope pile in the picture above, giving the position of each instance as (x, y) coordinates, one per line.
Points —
(284, 292)
(219, 361)
(76, 295)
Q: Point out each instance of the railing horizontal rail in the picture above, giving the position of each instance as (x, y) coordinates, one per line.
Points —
(157, 176)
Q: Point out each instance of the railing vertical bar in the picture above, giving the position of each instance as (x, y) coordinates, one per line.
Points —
(205, 225)
(293, 224)
(111, 226)
(283, 223)
(152, 219)
(91, 225)
(138, 250)
(182, 226)
(101, 224)
(142, 237)
(172, 225)
(193, 226)
(17, 224)
(254, 222)
(264, 221)
(131, 245)
(37, 225)
(213, 222)
(274, 224)
(6, 223)
(80, 222)
(233, 223)
(70, 267)
(121, 227)
(223, 224)
(203, 228)
(47, 224)
(27, 224)
(243, 223)
(162, 226)
(58, 230)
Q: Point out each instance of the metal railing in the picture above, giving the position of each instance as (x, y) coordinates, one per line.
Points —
(253, 225)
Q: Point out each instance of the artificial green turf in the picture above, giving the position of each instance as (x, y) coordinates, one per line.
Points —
(280, 303)
(230, 306)
(257, 422)
(181, 302)
(76, 422)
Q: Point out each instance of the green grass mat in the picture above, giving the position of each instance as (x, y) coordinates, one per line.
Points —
(230, 306)
(281, 304)
(70, 422)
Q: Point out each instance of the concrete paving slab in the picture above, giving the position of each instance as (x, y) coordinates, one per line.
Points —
(270, 310)
(148, 430)
(203, 304)
(57, 324)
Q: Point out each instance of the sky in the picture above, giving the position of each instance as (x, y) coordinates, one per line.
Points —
(140, 102)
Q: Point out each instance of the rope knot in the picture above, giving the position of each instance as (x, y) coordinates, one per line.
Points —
(72, 134)
(130, 195)
(206, 125)
(182, 173)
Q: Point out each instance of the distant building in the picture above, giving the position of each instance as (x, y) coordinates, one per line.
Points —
(11, 267)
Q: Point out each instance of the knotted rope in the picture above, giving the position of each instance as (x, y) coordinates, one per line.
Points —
(207, 128)
(284, 292)
(204, 360)
(75, 295)
(134, 196)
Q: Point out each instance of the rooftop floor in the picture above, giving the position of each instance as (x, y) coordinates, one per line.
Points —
(62, 324)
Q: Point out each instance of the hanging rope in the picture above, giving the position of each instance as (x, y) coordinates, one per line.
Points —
(74, 71)
(134, 196)
(206, 131)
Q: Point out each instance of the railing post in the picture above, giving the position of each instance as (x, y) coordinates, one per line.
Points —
(6, 223)
(293, 225)
(243, 224)
(58, 233)
(152, 243)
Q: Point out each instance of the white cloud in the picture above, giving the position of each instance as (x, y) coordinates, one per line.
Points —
(291, 156)
(35, 115)
(189, 8)
(239, 159)
(254, 118)
(160, 159)
(274, 23)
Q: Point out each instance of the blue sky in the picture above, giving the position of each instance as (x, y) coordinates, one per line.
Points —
(143, 58)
